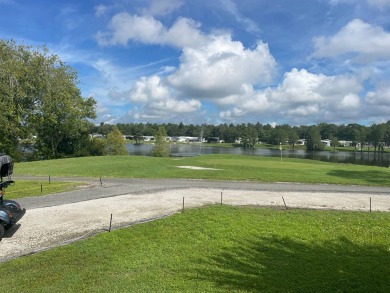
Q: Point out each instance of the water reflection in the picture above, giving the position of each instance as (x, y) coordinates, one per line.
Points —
(186, 150)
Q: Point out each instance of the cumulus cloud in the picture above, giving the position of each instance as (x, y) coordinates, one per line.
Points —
(212, 66)
(158, 100)
(363, 41)
(381, 97)
(215, 68)
(301, 96)
(221, 67)
(125, 27)
(377, 103)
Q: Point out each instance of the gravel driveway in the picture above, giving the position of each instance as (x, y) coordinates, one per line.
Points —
(62, 218)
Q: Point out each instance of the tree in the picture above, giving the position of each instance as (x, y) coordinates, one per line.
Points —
(293, 137)
(249, 137)
(327, 130)
(313, 140)
(386, 137)
(115, 143)
(161, 147)
(377, 135)
(333, 142)
(39, 96)
(96, 147)
(279, 135)
(61, 117)
(16, 95)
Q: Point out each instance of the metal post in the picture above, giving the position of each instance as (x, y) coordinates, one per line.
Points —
(183, 206)
(109, 230)
(284, 202)
(370, 204)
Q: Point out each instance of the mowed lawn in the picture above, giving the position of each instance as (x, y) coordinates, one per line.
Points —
(219, 249)
(226, 167)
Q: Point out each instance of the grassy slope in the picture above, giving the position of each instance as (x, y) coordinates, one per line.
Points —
(231, 167)
(26, 188)
(219, 249)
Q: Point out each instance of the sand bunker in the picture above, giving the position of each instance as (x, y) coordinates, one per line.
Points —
(196, 168)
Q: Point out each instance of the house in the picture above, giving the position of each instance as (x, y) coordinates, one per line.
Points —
(326, 142)
(213, 140)
(179, 139)
(148, 138)
(96, 135)
(345, 143)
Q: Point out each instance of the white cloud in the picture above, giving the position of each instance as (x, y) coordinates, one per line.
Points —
(381, 97)
(158, 100)
(232, 8)
(100, 10)
(162, 7)
(364, 41)
(221, 67)
(216, 69)
(147, 89)
(302, 96)
(304, 111)
(377, 104)
(124, 28)
(349, 102)
(379, 3)
(247, 102)
(211, 66)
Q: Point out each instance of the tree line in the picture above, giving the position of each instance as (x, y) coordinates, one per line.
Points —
(375, 135)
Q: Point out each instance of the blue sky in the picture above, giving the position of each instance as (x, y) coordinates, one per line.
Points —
(299, 62)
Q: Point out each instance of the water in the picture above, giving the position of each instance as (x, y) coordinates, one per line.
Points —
(194, 149)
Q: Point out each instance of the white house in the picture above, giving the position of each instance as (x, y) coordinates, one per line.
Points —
(345, 143)
(326, 142)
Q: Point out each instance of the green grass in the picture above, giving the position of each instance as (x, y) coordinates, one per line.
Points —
(219, 249)
(27, 188)
(231, 167)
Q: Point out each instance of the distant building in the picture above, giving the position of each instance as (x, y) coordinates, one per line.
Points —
(213, 140)
(148, 138)
(345, 143)
(96, 135)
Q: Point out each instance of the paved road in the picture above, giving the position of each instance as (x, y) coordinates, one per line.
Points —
(108, 187)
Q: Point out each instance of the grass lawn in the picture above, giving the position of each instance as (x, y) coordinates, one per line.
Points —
(230, 167)
(219, 249)
(26, 188)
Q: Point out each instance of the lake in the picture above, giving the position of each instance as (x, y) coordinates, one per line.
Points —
(194, 149)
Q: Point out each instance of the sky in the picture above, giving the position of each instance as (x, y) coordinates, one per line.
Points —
(296, 62)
